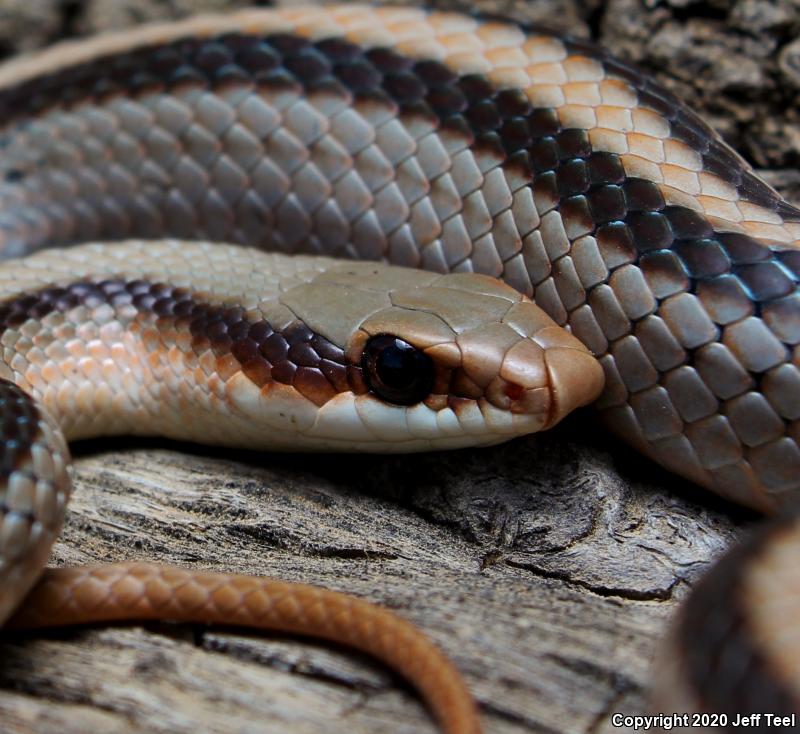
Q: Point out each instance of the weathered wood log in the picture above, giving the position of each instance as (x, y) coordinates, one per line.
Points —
(545, 567)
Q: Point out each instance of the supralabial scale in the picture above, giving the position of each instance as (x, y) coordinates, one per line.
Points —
(454, 145)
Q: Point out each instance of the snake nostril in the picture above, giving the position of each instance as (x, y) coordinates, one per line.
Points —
(514, 391)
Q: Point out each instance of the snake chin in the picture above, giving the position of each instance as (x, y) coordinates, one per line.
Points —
(286, 421)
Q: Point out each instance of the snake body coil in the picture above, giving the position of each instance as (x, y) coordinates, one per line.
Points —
(429, 140)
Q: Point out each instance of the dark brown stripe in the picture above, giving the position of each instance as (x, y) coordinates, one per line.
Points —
(294, 356)
(19, 429)
(588, 186)
(726, 671)
(469, 105)
(685, 124)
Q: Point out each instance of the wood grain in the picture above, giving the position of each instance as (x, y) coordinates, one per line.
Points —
(546, 568)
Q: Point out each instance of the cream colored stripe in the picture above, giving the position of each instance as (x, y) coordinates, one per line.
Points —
(577, 87)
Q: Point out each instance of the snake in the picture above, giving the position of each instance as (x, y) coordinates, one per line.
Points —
(385, 229)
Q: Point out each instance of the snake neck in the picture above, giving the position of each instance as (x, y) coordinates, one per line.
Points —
(148, 339)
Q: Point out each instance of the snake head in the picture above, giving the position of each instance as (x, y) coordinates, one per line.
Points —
(408, 360)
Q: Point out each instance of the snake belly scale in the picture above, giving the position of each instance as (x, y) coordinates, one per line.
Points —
(429, 140)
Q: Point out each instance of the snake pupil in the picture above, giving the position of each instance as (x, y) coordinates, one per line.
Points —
(396, 371)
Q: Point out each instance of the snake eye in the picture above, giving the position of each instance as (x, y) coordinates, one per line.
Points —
(396, 371)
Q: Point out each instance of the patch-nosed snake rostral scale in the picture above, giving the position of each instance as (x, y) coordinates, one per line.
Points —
(442, 142)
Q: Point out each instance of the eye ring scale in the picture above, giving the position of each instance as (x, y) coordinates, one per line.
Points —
(397, 371)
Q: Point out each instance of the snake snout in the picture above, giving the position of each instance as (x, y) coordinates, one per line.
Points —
(547, 372)
(528, 366)
(548, 379)
(576, 379)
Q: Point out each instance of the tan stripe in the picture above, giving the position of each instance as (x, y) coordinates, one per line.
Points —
(578, 87)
